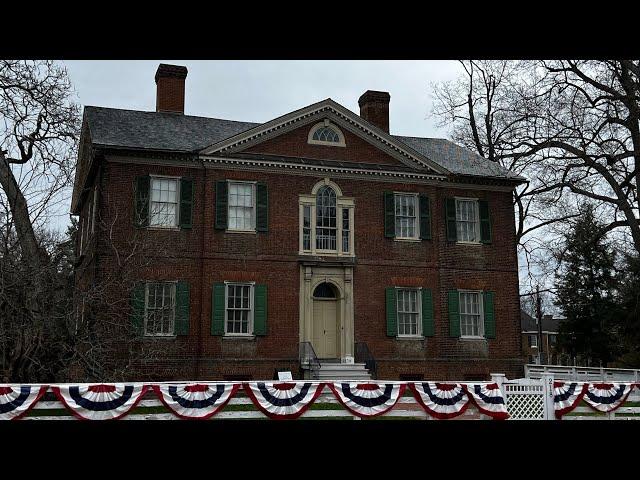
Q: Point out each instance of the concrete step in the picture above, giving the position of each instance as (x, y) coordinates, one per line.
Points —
(342, 366)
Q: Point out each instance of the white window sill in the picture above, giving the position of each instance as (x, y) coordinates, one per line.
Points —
(160, 227)
(240, 231)
(326, 253)
(160, 337)
(406, 239)
(410, 337)
(472, 338)
(228, 336)
(459, 242)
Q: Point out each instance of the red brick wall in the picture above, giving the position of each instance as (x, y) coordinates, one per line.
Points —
(203, 255)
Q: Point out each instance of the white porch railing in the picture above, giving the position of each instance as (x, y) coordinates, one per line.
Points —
(583, 374)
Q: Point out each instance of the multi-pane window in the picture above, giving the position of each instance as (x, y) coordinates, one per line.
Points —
(467, 220)
(306, 227)
(533, 340)
(408, 304)
(552, 339)
(241, 206)
(326, 228)
(239, 309)
(160, 309)
(406, 216)
(345, 230)
(471, 321)
(164, 202)
(326, 134)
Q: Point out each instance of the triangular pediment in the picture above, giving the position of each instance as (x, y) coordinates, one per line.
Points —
(334, 113)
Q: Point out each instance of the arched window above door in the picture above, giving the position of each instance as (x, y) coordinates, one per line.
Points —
(326, 221)
(325, 290)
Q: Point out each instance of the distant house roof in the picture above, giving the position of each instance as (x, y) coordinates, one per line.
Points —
(549, 324)
(116, 128)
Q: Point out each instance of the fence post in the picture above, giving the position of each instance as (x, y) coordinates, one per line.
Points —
(547, 390)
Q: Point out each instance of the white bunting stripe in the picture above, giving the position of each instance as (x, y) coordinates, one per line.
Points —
(100, 401)
(441, 400)
(607, 397)
(488, 398)
(283, 400)
(367, 399)
(566, 396)
(17, 400)
(195, 400)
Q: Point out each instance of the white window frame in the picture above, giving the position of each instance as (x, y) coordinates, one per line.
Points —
(476, 222)
(480, 309)
(416, 228)
(174, 284)
(342, 202)
(333, 126)
(253, 208)
(252, 289)
(419, 302)
(177, 222)
(534, 343)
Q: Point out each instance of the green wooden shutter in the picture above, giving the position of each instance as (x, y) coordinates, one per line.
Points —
(260, 310)
(182, 308)
(186, 202)
(427, 313)
(450, 218)
(485, 221)
(221, 205)
(137, 307)
(217, 309)
(141, 208)
(389, 215)
(392, 326)
(425, 218)
(489, 317)
(262, 208)
(454, 313)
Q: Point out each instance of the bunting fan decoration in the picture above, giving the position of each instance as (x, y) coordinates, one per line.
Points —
(100, 401)
(441, 400)
(566, 396)
(17, 400)
(488, 398)
(367, 399)
(606, 397)
(195, 400)
(281, 400)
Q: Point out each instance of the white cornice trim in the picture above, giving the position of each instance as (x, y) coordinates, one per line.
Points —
(306, 115)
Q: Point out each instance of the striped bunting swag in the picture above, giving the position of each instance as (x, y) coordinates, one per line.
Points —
(195, 400)
(17, 400)
(281, 400)
(488, 398)
(566, 396)
(606, 397)
(441, 400)
(100, 401)
(367, 399)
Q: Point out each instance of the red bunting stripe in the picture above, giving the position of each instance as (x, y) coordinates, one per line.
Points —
(197, 401)
(567, 396)
(368, 399)
(283, 400)
(488, 398)
(100, 401)
(607, 397)
(17, 400)
(441, 400)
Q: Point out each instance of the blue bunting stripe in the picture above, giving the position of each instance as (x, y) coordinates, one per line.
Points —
(607, 397)
(441, 400)
(488, 398)
(283, 400)
(566, 396)
(195, 400)
(367, 399)
(17, 400)
(100, 401)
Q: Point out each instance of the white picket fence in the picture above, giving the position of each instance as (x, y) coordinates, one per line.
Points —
(582, 374)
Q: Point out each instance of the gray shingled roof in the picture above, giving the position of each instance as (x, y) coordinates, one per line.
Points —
(113, 127)
(528, 323)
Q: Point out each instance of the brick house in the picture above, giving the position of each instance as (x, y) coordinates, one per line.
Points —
(542, 347)
(316, 232)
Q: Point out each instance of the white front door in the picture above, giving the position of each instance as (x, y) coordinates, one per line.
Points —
(325, 325)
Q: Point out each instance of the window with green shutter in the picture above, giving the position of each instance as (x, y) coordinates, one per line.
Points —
(389, 215)
(260, 310)
(485, 221)
(221, 205)
(141, 206)
(182, 308)
(428, 329)
(489, 316)
(262, 207)
(137, 307)
(392, 325)
(217, 308)
(186, 202)
(425, 218)
(454, 313)
(450, 219)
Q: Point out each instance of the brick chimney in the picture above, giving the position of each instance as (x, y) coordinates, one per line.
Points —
(374, 107)
(170, 88)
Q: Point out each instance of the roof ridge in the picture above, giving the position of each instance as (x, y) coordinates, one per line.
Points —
(169, 113)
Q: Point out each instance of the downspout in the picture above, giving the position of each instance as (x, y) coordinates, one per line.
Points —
(202, 286)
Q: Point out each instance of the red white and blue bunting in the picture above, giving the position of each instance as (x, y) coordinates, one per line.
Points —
(17, 400)
(195, 400)
(367, 399)
(488, 398)
(441, 400)
(607, 397)
(282, 400)
(100, 401)
(566, 396)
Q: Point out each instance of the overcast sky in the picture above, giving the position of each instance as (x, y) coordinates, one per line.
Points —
(257, 91)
